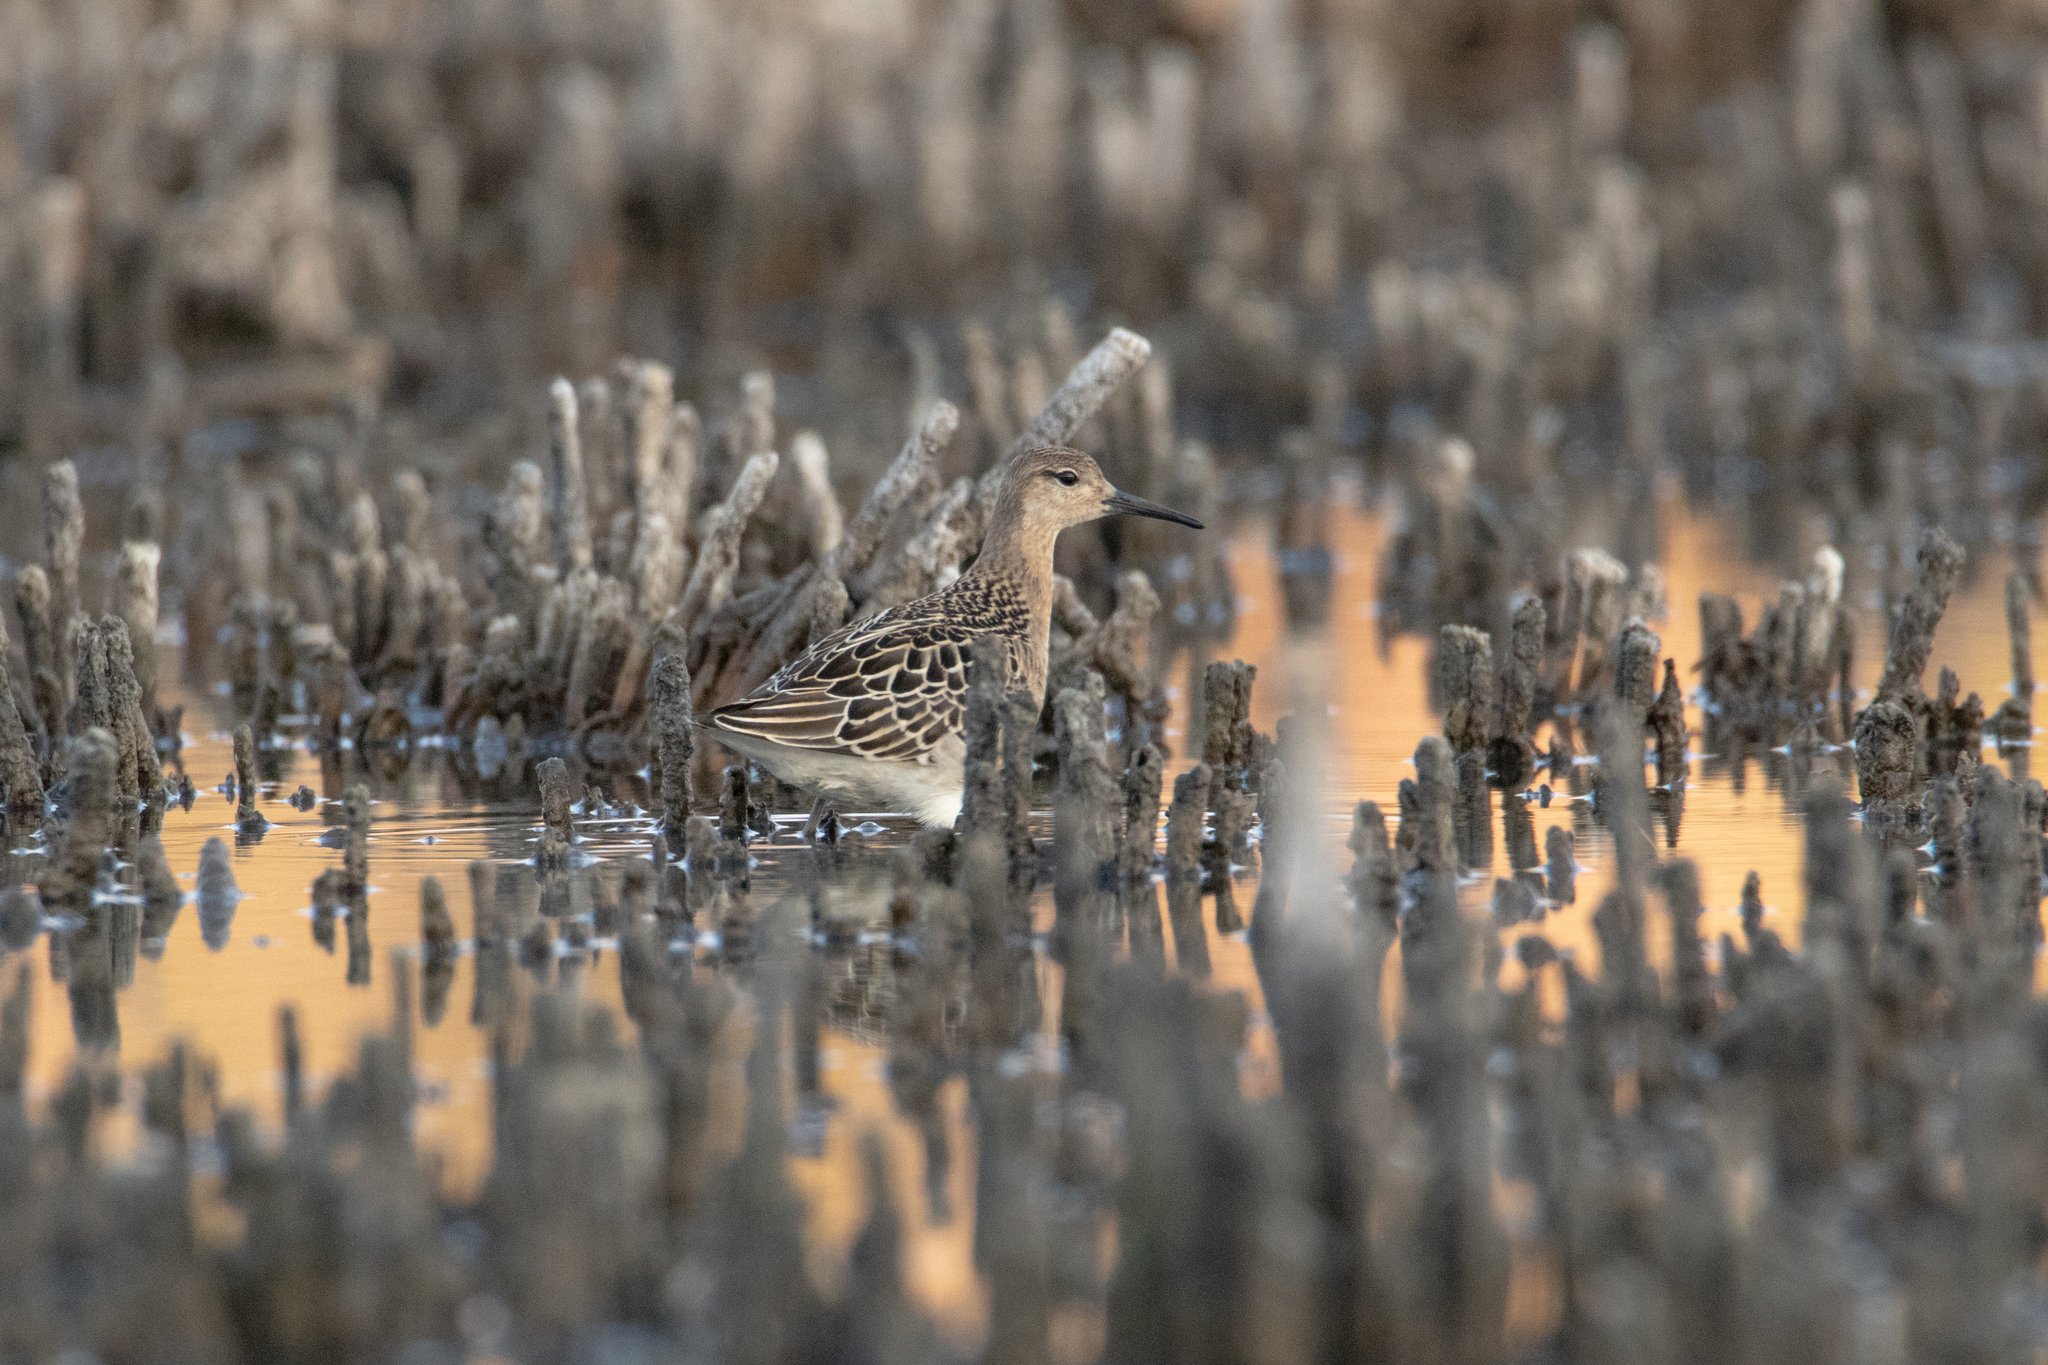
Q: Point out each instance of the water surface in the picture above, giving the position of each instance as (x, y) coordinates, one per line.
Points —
(430, 819)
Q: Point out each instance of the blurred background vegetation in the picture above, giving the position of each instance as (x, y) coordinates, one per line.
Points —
(413, 212)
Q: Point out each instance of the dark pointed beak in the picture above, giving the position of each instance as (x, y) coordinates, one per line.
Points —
(1121, 503)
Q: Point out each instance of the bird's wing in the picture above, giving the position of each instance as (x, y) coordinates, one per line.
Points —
(884, 688)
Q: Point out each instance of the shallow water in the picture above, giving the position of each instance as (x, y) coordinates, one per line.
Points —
(431, 820)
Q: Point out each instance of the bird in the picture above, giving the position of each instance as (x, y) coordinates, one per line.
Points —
(872, 717)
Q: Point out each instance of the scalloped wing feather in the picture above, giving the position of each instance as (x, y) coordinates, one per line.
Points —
(891, 687)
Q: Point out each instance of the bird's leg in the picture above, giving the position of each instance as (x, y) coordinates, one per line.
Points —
(823, 826)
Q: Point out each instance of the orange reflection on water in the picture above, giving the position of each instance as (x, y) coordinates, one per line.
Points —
(225, 1004)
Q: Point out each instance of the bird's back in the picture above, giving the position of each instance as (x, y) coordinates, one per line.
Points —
(892, 686)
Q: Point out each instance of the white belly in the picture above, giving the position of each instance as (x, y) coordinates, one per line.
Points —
(930, 790)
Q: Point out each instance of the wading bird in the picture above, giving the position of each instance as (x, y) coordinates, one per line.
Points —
(871, 717)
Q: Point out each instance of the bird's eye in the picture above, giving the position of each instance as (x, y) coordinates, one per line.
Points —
(1067, 477)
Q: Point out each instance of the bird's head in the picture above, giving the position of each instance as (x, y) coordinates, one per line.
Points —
(1065, 488)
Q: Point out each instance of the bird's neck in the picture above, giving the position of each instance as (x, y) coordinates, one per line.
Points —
(1017, 548)
(1018, 553)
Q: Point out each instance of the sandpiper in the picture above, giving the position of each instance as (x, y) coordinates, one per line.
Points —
(871, 717)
